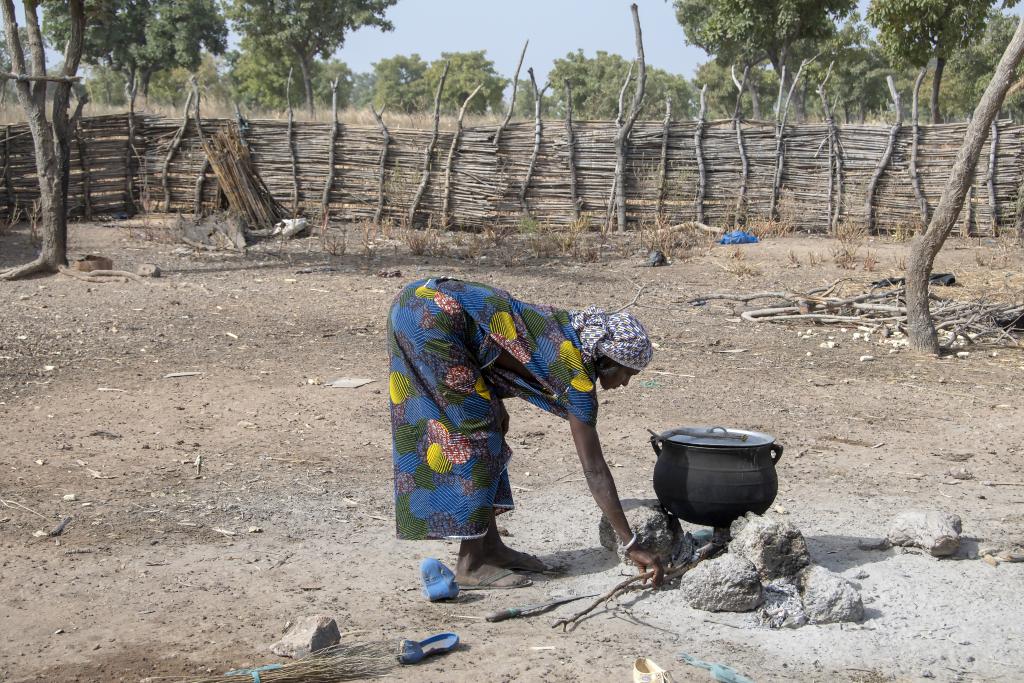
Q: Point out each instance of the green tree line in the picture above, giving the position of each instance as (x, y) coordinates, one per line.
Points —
(290, 48)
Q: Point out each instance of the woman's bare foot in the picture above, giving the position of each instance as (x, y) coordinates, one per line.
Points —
(506, 557)
(489, 576)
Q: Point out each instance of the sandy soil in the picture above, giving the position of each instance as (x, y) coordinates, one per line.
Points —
(158, 575)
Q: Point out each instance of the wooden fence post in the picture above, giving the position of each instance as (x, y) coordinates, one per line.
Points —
(172, 149)
(385, 141)
(197, 200)
(129, 175)
(538, 132)
(990, 180)
(781, 113)
(869, 202)
(8, 185)
(429, 151)
(741, 200)
(915, 178)
(445, 217)
(698, 135)
(512, 101)
(663, 171)
(570, 137)
(292, 155)
(622, 137)
(325, 199)
(83, 163)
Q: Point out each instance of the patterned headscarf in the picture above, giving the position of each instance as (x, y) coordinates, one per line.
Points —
(619, 336)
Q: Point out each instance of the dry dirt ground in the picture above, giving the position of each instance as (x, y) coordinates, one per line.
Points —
(158, 574)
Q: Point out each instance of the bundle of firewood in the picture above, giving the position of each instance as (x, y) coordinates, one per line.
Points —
(246, 193)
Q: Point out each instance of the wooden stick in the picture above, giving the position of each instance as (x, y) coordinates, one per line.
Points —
(429, 151)
(8, 187)
(915, 178)
(741, 200)
(538, 132)
(571, 153)
(456, 138)
(883, 163)
(173, 148)
(622, 136)
(512, 101)
(663, 168)
(325, 199)
(619, 122)
(698, 135)
(83, 163)
(381, 172)
(292, 155)
(22, 78)
(990, 179)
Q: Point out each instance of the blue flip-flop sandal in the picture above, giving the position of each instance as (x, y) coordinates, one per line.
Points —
(438, 581)
(410, 651)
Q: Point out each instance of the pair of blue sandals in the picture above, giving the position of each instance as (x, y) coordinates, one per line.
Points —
(438, 584)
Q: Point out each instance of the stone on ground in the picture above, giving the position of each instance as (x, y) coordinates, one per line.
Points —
(307, 635)
(828, 598)
(654, 530)
(724, 584)
(776, 548)
(936, 531)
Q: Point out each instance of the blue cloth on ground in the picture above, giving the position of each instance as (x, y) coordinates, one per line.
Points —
(410, 651)
(738, 237)
(438, 580)
(719, 672)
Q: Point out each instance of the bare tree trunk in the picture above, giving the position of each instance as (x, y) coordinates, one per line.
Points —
(307, 81)
(51, 140)
(698, 138)
(940, 65)
(755, 104)
(925, 248)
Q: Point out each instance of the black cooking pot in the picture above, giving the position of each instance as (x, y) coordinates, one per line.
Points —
(711, 475)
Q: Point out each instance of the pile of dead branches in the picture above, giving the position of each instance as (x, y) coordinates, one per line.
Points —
(882, 308)
(246, 193)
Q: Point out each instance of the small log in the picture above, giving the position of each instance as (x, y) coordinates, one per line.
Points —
(325, 199)
(292, 155)
(429, 151)
(990, 179)
(571, 153)
(456, 138)
(663, 170)
(173, 149)
(512, 101)
(385, 141)
(698, 136)
(883, 163)
(915, 177)
(538, 133)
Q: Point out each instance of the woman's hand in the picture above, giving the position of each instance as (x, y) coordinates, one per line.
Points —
(647, 561)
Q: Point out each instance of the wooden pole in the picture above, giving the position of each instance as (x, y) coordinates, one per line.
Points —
(663, 169)
(83, 163)
(781, 113)
(990, 180)
(883, 163)
(538, 133)
(619, 122)
(456, 138)
(292, 155)
(429, 151)
(570, 138)
(622, 137)
(197, 199)
(382, 165)
(512, 101)
(325, 199)
(915, 177)
(698, 137)
(129, 174)
(172, 150)
(741, 200)
(8, 186)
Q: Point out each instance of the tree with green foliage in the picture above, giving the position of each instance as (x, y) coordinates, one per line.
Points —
(466, 71)
(362, 90)
(138, 38)
(596, 82)
(400, 84)
(306, 28)
(170, 86)
(971, 66)
(747, 32)
(914, 32)
(762, 88)
(258, 78)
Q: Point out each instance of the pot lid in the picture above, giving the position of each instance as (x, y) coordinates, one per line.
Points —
(717, 437)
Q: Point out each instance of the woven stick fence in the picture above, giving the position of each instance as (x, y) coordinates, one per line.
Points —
(675, 172)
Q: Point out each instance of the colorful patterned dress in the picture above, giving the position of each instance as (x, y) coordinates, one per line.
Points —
(450, 456)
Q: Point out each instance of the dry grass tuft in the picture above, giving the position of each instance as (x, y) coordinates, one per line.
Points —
(421, 241)
(850, 238)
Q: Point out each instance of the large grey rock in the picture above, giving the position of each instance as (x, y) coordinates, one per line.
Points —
(727, 583)
(308, 634)
(828, 598)
(775, 547)
(936, 531)
(653, 529)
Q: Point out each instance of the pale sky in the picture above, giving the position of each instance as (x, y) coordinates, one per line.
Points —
(554, 28)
